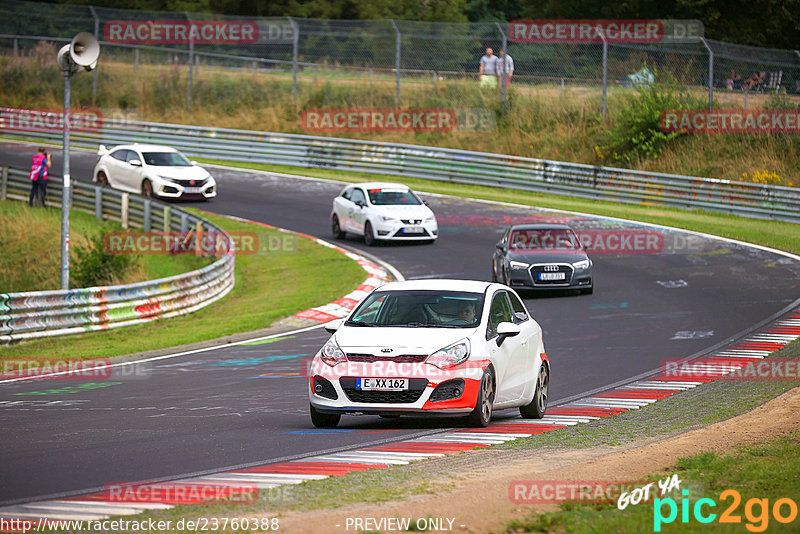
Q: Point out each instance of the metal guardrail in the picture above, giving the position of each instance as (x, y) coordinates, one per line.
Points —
(450, 165)
(38, 314)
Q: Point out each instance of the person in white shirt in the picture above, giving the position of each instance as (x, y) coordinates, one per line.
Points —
(489, 69)
(505, 66)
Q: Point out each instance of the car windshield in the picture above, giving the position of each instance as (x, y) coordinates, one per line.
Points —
(437, 309)
(166, 159)
(386, 197)
(543, 240)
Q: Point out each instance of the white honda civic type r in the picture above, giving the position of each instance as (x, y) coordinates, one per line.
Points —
(382, 212)
(153, 170)
(454, 347)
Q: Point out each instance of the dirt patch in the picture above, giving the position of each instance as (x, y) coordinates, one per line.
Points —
(479, 502)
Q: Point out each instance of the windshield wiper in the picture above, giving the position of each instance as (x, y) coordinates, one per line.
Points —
(354, 323)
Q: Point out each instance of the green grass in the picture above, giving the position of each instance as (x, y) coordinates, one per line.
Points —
(776, 234)
(30, 242)
(269, 286)
(769, 471)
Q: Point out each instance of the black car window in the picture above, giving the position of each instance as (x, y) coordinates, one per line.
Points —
(121, 154)
(132, 156)
(499, 312)
(346, 193)
(520, 313)
(357, 195)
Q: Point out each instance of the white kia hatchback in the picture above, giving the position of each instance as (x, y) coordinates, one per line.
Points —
(382, 212)
(454, 347)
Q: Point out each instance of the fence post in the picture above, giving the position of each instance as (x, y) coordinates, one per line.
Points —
(136, 59)
(3, 183)
(710, 74)
(396, 62)
(98, 202)
(562, 89)
(167, 217)
(146, 223)
(96, 36)
(191, 58)
(295, 46)
(316, 71)
(503, 69)
(605, 71)
(16, 47)
(124, 210)
(198, 239)
(184, 223)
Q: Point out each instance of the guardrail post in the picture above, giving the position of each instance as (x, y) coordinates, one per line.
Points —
(16, 47)
(98, 202)
(136, 59)
(167, 217)
(124, 210)
(710, 74)
(3, 183)
(146, 223)
(295, 45)
(184, 223)
(397, 62)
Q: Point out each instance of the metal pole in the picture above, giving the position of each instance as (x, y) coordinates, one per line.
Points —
(191, 58)
(16, 47)
(295, 45)
(397, 63)
(503, 69)
(136, 59)
(605, 73)
(710, 74)
(96, 36)
(65, 192)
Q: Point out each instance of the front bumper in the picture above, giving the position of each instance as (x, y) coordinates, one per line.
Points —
(529, 277)
(176, 190)
(445, 392)
(406, 230)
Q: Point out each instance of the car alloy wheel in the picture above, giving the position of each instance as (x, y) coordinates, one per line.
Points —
(481, 416)
(538, 406)
(369, 237)
(147, 188)
(336, 229)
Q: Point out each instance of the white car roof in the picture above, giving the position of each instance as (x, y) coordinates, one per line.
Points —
(469, 286)
(382, 185)
(144, 148)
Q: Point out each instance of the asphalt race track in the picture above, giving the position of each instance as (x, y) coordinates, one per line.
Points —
(248, 404)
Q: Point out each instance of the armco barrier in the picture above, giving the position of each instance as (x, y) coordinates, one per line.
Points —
(38, 314)
(481, 168)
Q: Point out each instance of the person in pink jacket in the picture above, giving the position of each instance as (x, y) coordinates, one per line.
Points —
(41, 162)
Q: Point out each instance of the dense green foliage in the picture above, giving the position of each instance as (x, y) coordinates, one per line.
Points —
(769, 23)
(94, 266)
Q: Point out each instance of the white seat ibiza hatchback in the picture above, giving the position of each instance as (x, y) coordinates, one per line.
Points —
(452, 347)
(382, 212)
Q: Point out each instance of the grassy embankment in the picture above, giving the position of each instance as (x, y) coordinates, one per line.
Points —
(539, 123)
(260, 297)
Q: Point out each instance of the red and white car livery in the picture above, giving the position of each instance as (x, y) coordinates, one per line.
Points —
(432, 347)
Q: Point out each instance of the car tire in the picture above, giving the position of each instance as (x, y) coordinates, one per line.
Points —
(147, 188)
(481, 415)
(338, 233)
(369, 237)
(538, 406)
(324, 420)
(102, 179)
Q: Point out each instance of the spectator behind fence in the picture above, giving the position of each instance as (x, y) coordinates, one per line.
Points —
(754, 82)
(489, 69)
(39, 165)
(734, 81)
(506, 65)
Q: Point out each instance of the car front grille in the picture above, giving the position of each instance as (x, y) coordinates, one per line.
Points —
(187, 183)
(416, 388)
(551, 268)
(400, 358)
(411, 221)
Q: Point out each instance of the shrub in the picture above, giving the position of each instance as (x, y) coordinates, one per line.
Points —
(93, 266)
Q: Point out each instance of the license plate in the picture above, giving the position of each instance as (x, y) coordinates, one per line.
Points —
(382, 384)
(552, 276)
(191, 189)
(413, 230)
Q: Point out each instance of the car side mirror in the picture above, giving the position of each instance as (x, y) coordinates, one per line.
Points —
(500, 246)
(425, 202)
(360, 203)
(505, 330)
(135, 162)
(332, 326)
(193, 163)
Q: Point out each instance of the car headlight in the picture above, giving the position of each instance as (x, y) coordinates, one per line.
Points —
(583, 264)
(518, 265)
(386, 218)
(450, 356)
(430, 219)
(332, 354)
(167, 179)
